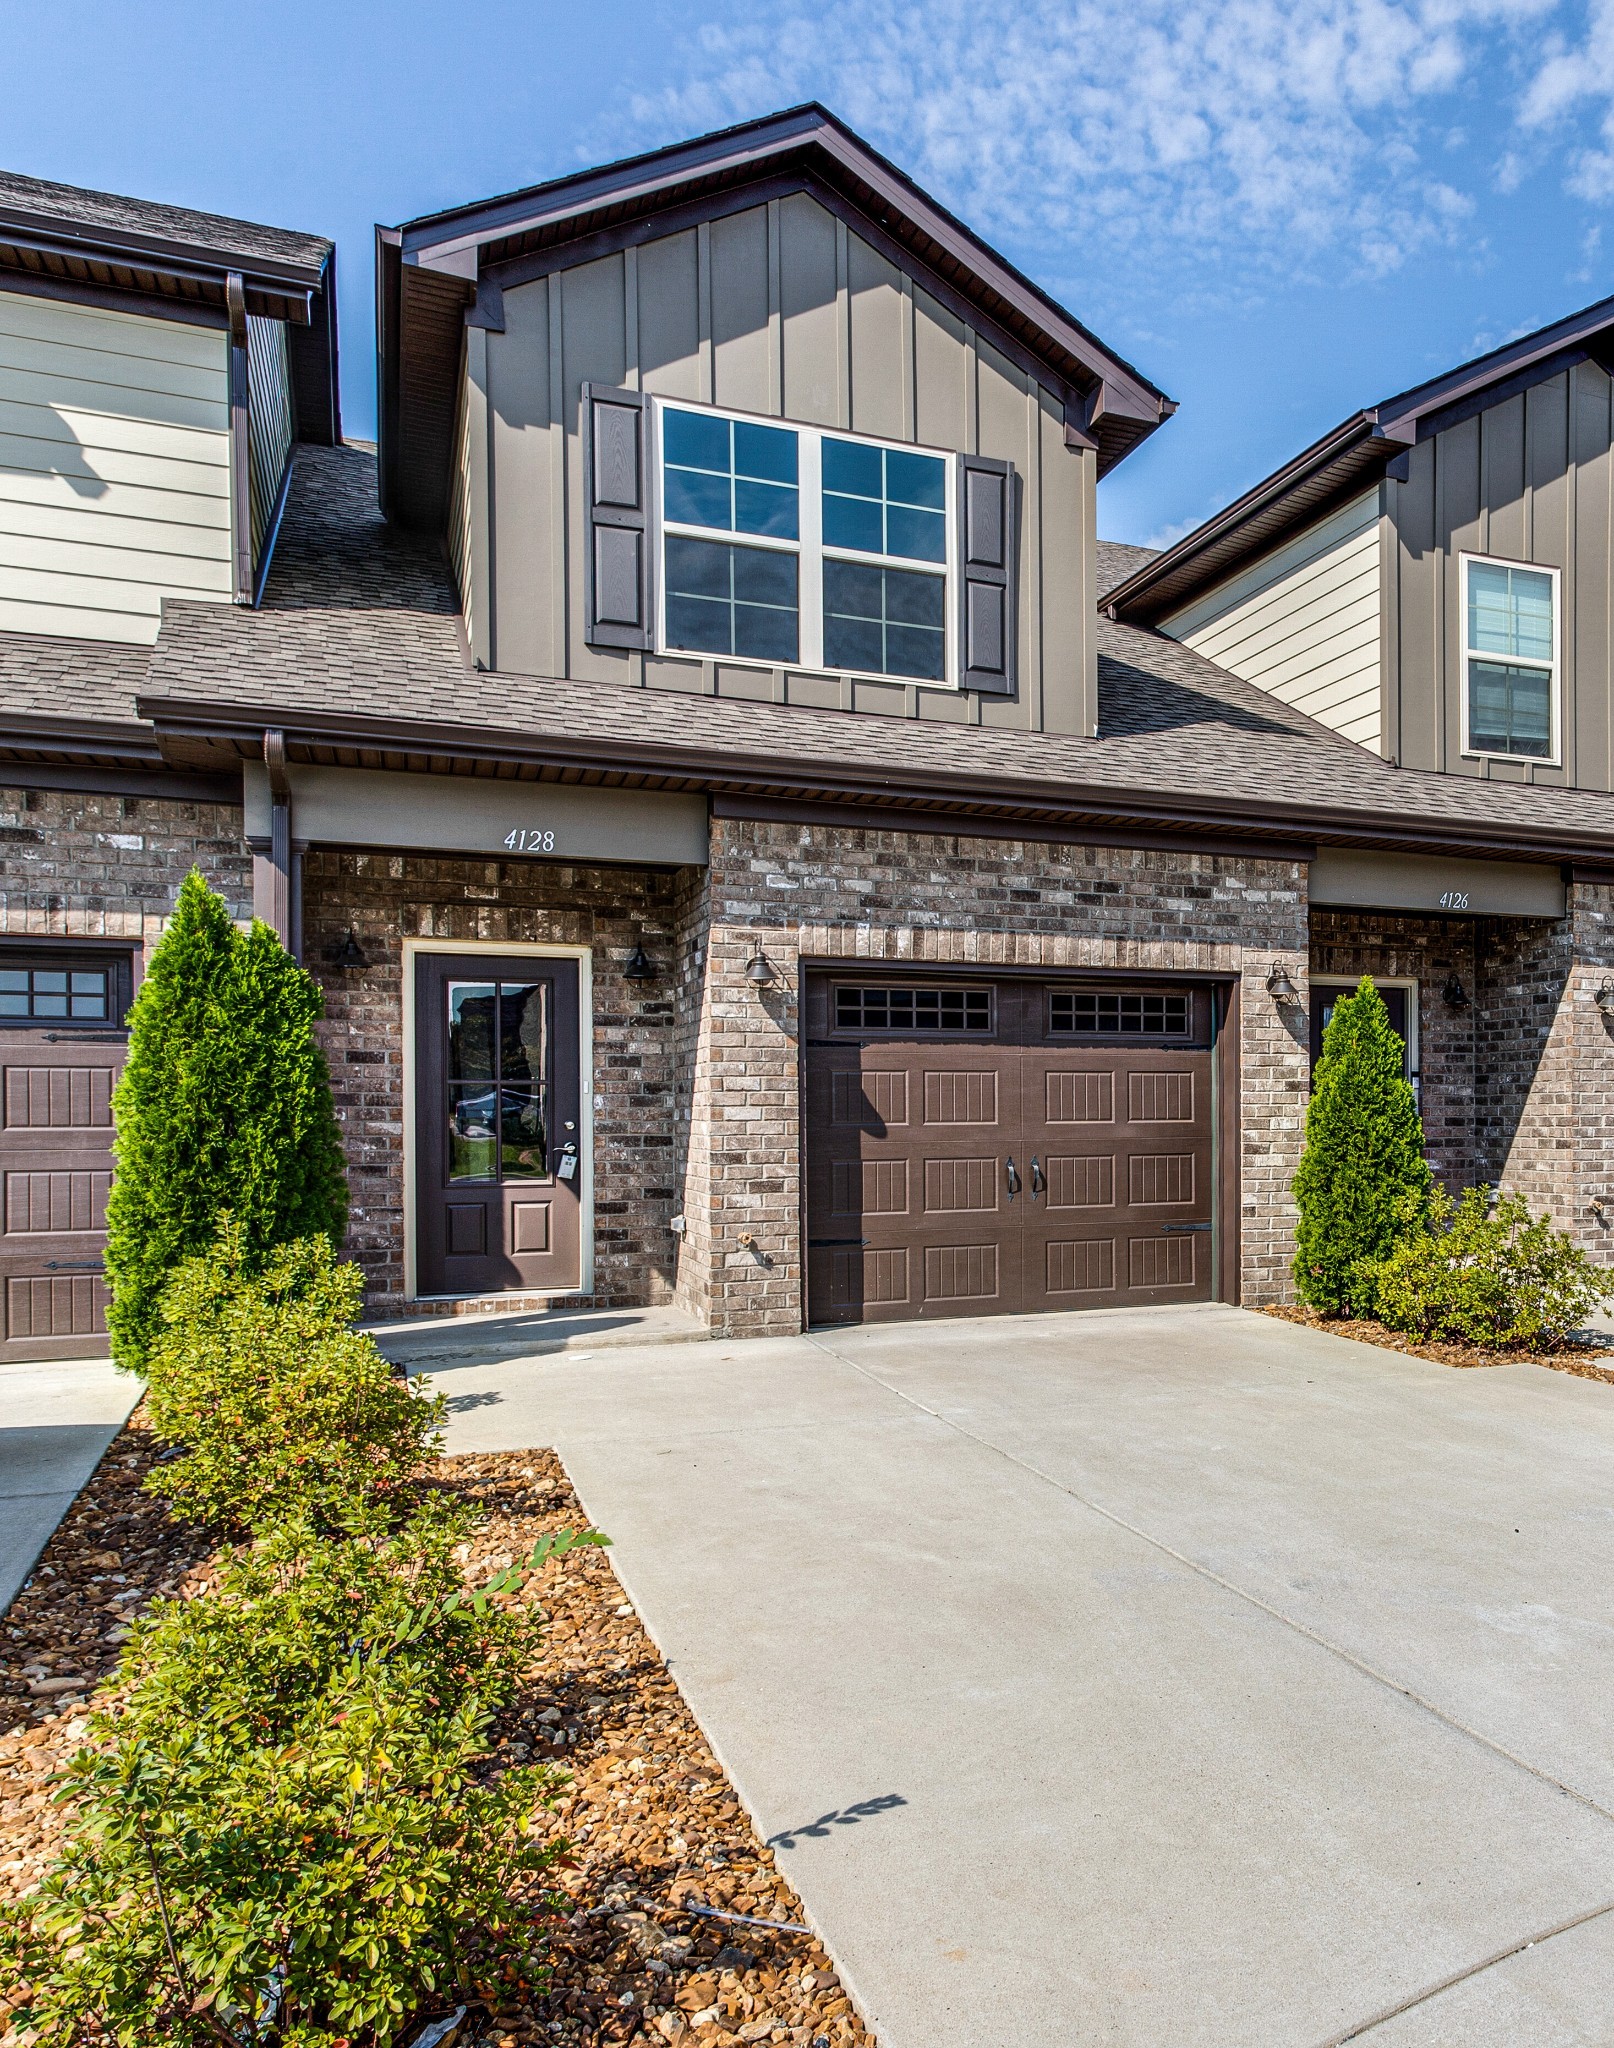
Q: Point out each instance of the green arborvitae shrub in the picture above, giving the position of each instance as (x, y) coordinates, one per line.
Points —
(224, 1108)
(1363, 1182)
(287, 1834)
(279, 1404)
(1500, 1278)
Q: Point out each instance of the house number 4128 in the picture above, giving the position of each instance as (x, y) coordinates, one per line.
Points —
(533, 839)
(1454, 899)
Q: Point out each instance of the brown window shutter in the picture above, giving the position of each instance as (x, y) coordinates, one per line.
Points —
(986, 575)
(618, 526)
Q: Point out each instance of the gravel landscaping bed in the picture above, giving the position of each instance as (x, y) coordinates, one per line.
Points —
(1587, 1361)
(657, 1830)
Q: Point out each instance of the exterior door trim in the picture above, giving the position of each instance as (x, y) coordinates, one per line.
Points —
(509, 949)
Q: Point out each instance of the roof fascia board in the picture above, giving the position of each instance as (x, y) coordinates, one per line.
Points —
(242, 728)
(1128, 394)
(619, 184)
(1574, 330)
(296, 295)
(1480, 394)
(83, 239)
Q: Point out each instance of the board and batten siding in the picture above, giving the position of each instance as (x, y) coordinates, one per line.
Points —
(1305, 622)
(1530, 479)
(778, 309)
(114, 468)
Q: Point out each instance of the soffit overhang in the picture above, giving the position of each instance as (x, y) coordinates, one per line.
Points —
(209, 738)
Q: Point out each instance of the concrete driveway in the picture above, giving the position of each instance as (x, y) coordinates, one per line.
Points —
(55, 1421)
(1166, 1679)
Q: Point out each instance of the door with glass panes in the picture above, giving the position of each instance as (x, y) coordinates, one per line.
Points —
(498, 1122)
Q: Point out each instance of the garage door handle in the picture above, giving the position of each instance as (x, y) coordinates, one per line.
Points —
(1177, 1229)
(1037, 1181)
(1013, 1179)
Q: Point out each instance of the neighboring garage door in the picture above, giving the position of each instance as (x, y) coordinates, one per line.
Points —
(1000, 1147)
(60, 1053)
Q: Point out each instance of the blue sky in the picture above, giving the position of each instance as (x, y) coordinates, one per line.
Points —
(1278, 209)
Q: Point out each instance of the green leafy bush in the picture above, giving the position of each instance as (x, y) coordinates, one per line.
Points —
(1499, 1278)
(279, 1404)
(1362, 1182)
(224, 1107)
(290, 1835)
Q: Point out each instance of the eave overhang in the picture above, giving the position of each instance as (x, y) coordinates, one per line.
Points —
(434, 272)
(211, 738)
(1354, 456)
(61, 257)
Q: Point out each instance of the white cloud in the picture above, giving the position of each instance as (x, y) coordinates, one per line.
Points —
(1275, 133)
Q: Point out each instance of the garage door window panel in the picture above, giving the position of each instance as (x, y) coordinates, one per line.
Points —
(866, 1010)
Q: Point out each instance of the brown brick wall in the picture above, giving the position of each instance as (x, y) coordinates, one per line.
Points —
(385, 899)
(1545, 1062)
(109, 867)
(1346, 944)
(812, 892)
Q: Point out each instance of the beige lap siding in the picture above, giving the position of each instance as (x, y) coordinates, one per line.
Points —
(385, 899)
(109, 867)
(908, 898)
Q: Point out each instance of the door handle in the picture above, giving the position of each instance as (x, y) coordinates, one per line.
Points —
(1178, 1229)
(1013, 1179)
(1038, 1183)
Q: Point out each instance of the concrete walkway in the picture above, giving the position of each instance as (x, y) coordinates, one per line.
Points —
(1157, 1679)
(55, 1421)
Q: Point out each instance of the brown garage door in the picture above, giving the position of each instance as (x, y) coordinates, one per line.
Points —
(61, 1051)
(978, 1148)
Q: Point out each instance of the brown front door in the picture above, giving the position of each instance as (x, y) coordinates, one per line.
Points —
(498, 1120)
(61, 1051)
(980, 1148)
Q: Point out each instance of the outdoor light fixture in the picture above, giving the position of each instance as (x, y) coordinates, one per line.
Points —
(637, 966)
(1604, 999)
(350, 953)
(759, 969)
(1279, 986)
(1454, 995)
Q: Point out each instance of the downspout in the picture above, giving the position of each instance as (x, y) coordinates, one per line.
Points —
(240, 442)
(276, 869)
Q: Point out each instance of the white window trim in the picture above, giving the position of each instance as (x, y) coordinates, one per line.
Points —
(809, 549)
(1554, 757)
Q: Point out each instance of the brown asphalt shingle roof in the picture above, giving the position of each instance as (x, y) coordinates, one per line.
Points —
(43, 676)
(360, 619)
(116, 215)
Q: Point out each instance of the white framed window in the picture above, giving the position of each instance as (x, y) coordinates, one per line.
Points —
(804, 547)
(1511, 668)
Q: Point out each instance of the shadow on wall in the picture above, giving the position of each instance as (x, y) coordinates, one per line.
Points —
(60, 454)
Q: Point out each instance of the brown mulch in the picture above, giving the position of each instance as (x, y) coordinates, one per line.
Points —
(1580, 1359)
(654, 1823)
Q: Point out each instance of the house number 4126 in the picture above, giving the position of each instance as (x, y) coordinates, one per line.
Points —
(1454, 899)
(533, 839)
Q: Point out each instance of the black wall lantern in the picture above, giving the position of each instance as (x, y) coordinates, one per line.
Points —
(1604, 999)
(637, 966)
(1454, 995)
(1281, 989)
(349, 953)
(759, 969)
